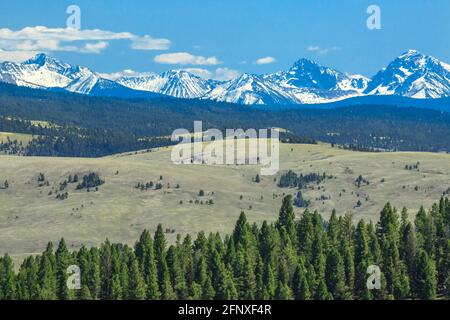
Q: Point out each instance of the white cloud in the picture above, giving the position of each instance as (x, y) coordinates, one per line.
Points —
(266, 60)
(225, 74)
(96, 47)
(322, 51)
(41, 38)
(185, 58)
(148, 43)
(16, 56)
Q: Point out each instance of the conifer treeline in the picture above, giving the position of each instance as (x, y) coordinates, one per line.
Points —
(308, 258)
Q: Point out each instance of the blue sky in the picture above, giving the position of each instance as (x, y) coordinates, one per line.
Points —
(221, 38)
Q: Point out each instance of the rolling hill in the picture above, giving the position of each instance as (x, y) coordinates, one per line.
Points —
(30, 215)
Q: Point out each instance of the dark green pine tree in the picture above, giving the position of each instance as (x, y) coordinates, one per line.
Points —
(283, 292)
(124, 281)
(224, 285)
(145, 254)
(202, 278)
(305, 236)
(27, 280)
(63, 261)
(335, 274)
(85, 293)
(136, 283)
(83, 259)
(243, 235)
(362, 262)
(269, 282)
(159, 244)
(425, 231)
(286, 217)
(268, 242)
(408, 245)
(106, 271)
(47, 274)
(322, 291)
(249, 279)
(333, 229)
(167, 292)
(347, 252)
(7, 279)
(300, 283)
(186, 254)
(318, 258)
(445, 267)
(176, 272)
(426, 282)
(397, 280)
(93, 274)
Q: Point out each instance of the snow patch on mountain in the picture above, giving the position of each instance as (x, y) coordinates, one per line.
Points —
(175, 83)
(414, 75)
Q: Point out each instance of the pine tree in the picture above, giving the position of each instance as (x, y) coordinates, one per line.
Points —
(136, 284)
(106, 270)
(27, 280)
(123, 286)
(7, 279)
(82, 258)
(286, 217)
(283, 292)
(62, 257)
(305, 236)
(145, 254)
(93, 275)
(176, 272)
(167, 292)
(394, 269)
(426, 282)
(300, 283)
(347, 252)
(85, 293)
(159, 244)
(322, 291)
(47, 274)
(201, 277)
(249, 279)
(362, 262)
(269, 282)
(334, 274)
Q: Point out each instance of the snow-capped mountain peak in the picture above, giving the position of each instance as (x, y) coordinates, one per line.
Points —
(41, 59)
(42, 71)
(413, 74)
(175, 83)
(251, 89)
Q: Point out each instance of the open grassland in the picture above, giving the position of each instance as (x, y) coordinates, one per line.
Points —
(20, 137)
(30, 216)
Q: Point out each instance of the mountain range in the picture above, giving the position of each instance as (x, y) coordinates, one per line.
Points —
(412, 75)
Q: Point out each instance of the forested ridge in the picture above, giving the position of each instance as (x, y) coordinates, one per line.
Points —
(121, 122)
(304, 258)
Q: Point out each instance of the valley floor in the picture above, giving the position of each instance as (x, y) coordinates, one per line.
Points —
(30, 216)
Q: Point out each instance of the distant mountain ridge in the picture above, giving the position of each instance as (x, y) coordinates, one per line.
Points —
(411, 74)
